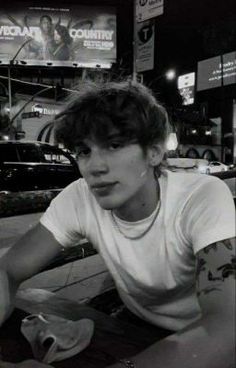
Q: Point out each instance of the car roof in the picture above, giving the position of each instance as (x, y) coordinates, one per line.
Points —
(27, 143)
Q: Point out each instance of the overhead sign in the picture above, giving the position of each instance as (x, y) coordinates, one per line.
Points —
(147, 9)
(58, 36)
(44, 109)
(145, 46)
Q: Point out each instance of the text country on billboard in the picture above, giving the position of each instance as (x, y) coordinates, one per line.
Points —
(94, 34)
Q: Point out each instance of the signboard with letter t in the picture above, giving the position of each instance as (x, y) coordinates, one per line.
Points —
(145, 33)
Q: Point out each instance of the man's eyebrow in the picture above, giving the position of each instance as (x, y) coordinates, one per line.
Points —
(114, 135)
(80, 143)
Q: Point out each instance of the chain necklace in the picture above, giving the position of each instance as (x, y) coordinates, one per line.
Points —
(135, 237)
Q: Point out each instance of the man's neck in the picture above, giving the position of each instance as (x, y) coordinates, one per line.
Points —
(146, 204)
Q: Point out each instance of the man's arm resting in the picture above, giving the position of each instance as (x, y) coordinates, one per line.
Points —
(209, 342)
(28, 257)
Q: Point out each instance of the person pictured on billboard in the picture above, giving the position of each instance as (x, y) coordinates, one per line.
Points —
(41, 48)
(47, 33)
(62, 43)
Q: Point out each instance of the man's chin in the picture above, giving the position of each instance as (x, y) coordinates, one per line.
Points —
(107, 204)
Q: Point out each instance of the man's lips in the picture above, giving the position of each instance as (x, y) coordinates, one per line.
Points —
(102, 187)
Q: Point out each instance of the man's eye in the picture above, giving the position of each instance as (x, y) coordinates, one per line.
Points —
(115, 145)
(83, 152)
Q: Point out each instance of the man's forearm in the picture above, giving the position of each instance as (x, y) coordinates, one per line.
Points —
(209, 343)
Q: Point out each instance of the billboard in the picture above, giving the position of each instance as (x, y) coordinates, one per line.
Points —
(78, 36)
(186, 86)
(217, 71)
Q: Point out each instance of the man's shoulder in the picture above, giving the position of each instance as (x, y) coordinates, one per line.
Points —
(77, 190)
(188, 180)
(180, 187)
(77, 185)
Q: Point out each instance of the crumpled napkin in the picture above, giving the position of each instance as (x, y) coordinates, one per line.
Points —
(54, 338)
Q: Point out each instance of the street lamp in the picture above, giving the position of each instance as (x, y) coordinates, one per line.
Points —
(170, 74)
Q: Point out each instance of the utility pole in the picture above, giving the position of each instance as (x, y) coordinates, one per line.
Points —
(134, 72)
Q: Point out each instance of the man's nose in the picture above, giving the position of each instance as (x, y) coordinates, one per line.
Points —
(98, 163)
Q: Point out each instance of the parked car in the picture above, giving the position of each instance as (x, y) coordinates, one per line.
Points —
(213, 167)
(186, 164)
(28, 166)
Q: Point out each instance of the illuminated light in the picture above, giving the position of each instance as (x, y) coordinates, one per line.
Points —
(208, 132)
(170, 74)
(5, 137)
(172, 142)
(194, 131)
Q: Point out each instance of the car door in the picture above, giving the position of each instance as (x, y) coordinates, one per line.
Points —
(10, 177)
(30, 160)
(63, 166)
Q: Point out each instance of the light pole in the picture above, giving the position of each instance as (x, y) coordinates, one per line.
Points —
(9, 74)
(31, 99)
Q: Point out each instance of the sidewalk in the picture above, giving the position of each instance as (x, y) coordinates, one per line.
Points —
(12, 228)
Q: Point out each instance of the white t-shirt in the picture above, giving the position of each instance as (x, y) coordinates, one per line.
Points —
(154, 275)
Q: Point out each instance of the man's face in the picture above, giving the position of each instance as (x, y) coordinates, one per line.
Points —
(46, 25)
(117, 173)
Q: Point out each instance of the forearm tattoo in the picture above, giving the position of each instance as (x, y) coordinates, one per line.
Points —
(215, 263)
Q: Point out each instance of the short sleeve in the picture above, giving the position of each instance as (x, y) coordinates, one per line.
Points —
(62, 218)
(209, 214)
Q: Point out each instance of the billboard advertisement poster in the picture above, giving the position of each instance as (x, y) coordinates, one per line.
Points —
(147, 9)
(217, 71)
(74, 36)
(145, 34)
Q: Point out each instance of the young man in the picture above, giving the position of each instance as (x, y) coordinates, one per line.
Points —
(165, 237)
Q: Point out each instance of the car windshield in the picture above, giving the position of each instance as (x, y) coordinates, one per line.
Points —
(30, 154)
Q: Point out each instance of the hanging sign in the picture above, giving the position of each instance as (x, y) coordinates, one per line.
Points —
(147, 9)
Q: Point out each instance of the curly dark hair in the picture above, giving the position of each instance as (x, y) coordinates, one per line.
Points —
(64, 33)
(128, 106)
(45, 16)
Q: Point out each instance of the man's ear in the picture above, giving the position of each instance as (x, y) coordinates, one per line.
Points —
(155, 154)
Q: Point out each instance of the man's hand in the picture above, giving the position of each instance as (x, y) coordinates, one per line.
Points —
(25, 364)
